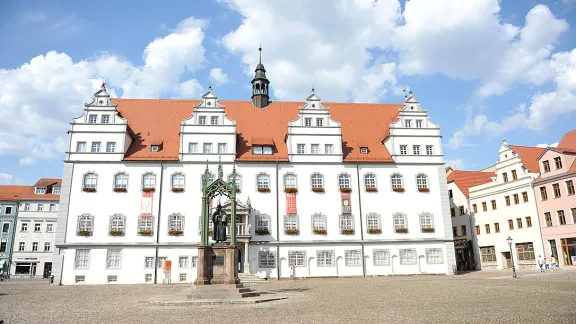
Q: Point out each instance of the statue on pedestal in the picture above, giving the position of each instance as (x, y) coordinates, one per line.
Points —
(220, 221)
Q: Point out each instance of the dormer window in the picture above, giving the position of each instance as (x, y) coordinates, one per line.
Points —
(202, 120)
(92, 119)
(262, 146)
(319, 122)
(105, 119)
(214, 120)
(155, 148)
(56, 190)
(558, 163)
(40, 191)
(363, 150)
(418, 123)
(259, 150)
(408, 123)
(307, 121)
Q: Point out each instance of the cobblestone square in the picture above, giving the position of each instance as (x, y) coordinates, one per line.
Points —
(481, 297)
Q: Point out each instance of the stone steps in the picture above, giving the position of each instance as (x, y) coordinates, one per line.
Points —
(250, 279)
(223, 291)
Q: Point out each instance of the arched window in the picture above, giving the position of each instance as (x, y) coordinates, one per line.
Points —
(148, 180)
(262, 224)
(117, 225)
(121, 180)
(400, 221)
(211, 178)
(422, 181)
(373, 223)
(176, 222)
(344, 180)
(317, 181)
(238, 181)
(319, 225)
(289, 181)
(370, 181)
(396, 181)
(90, 180)
(85, 225)
(426, 221)
(263, 181)
(178, 181)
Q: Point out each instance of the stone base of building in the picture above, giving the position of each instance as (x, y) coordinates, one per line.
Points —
(217, 265)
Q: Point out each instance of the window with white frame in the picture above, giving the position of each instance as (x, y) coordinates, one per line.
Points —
(111, 147)
(319, 222)
(176, 222)
(52, 207)
(297, 258)
(207, 147)
(34, 246)
(202, 120)
(21, 246)
(47, 246)
(426, 220)
(400, 221)
(211, 178)
(381, 257)
(145, 223)
(238, 180)
(214, 120)
(325, 258)
(307, 121)
(408, 123)
(416, 149)
(148, 180)
(37, 227)
(317, 180)
(56, 190)
(289, 181)
(92, 119)
(267, 259)
(422, 181)
(407, 256)
(114, 259)
(96, 147)
(352, 258)
(178, 180)
(24, 227)
(258, 150)
(117, 223)
(49, 228)
(121, 180)
(222, 148)
(105, 119)
(82, 259)
(194, 262)
(403, 149)
(147, 277)
(315, 148)
(27, 206)
(86, 223)
(291, 222)
(370, 181)
(346, 222)
(111, 279)
(183, 262)
(373, 222)
(79, 279)
(429, 150)
(319, 122)
(182, 277)
(434, 256)
(262, 223)
(263, 181)
(149, 262)
(90, 180)
(344, 180)
(40, 191)
(396, 180)
(363, 150)
(161, 262)
(192, 147)
(418, 123)
(40, 207)
(81, 147)
(328, 149)
(301, 148)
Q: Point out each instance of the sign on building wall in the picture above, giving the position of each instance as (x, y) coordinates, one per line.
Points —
(346, 205)
(290, 203)
(146, 207)
(167, 264)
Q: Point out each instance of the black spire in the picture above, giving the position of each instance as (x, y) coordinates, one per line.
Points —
(260, 83)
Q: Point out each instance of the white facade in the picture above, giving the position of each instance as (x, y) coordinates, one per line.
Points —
(34, 236)
(368, 247)
(515, 214)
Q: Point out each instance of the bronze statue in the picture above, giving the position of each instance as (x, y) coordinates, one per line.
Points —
(220, 221)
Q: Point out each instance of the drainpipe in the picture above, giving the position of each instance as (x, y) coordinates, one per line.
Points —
(158, 223)
(361, 222)
(278, 264)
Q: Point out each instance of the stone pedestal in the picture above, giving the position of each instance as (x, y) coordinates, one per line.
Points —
(217, 265)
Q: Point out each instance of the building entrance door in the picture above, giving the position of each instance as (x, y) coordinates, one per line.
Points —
(508, 258)
(47, 270)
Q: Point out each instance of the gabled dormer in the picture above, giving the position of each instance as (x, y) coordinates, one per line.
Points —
(314, 136)
(413, 137)
(100, 134)
(208, 134)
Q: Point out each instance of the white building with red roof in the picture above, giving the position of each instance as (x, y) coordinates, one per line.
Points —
(324, 189)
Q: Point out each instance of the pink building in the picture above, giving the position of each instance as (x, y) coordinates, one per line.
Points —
(556, 201)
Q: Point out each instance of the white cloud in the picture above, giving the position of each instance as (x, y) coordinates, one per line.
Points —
(456, 164)
(5, 179)
(44, 94)
(547, 145)
(218, 76)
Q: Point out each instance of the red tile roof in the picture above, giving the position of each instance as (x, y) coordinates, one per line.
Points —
(48, 182)
(529, 156)
(16, 193)
(152, 120)
(468, 179)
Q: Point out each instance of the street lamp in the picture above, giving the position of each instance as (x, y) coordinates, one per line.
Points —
(509, 239)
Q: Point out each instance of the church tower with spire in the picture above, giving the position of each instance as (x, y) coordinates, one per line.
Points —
(260, 85)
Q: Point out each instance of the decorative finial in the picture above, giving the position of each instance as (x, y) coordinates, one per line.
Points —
(260, 50)
(504, 139)
(103, 85)
(210, 88)
(313, 90)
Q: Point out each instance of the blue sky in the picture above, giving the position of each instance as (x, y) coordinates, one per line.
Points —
(484, 69)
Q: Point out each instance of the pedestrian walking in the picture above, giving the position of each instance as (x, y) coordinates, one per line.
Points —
(554, 262)
(546, 264)
(540, 263)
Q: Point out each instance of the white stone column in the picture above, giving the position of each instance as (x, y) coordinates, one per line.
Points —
(246, 264)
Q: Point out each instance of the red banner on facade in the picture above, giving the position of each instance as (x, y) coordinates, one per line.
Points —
(290, 203)
(146, 207)
(346, 204)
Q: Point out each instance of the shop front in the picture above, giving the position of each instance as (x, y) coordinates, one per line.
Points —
(568, 247)
(26, 266)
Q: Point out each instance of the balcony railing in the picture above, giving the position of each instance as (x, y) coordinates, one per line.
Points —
(241, 229)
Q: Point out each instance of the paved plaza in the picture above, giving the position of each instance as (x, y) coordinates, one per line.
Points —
(481, 297)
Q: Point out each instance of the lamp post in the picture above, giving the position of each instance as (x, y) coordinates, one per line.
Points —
(509, 239)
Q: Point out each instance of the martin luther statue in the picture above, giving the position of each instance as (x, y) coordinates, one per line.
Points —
(220, 221)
